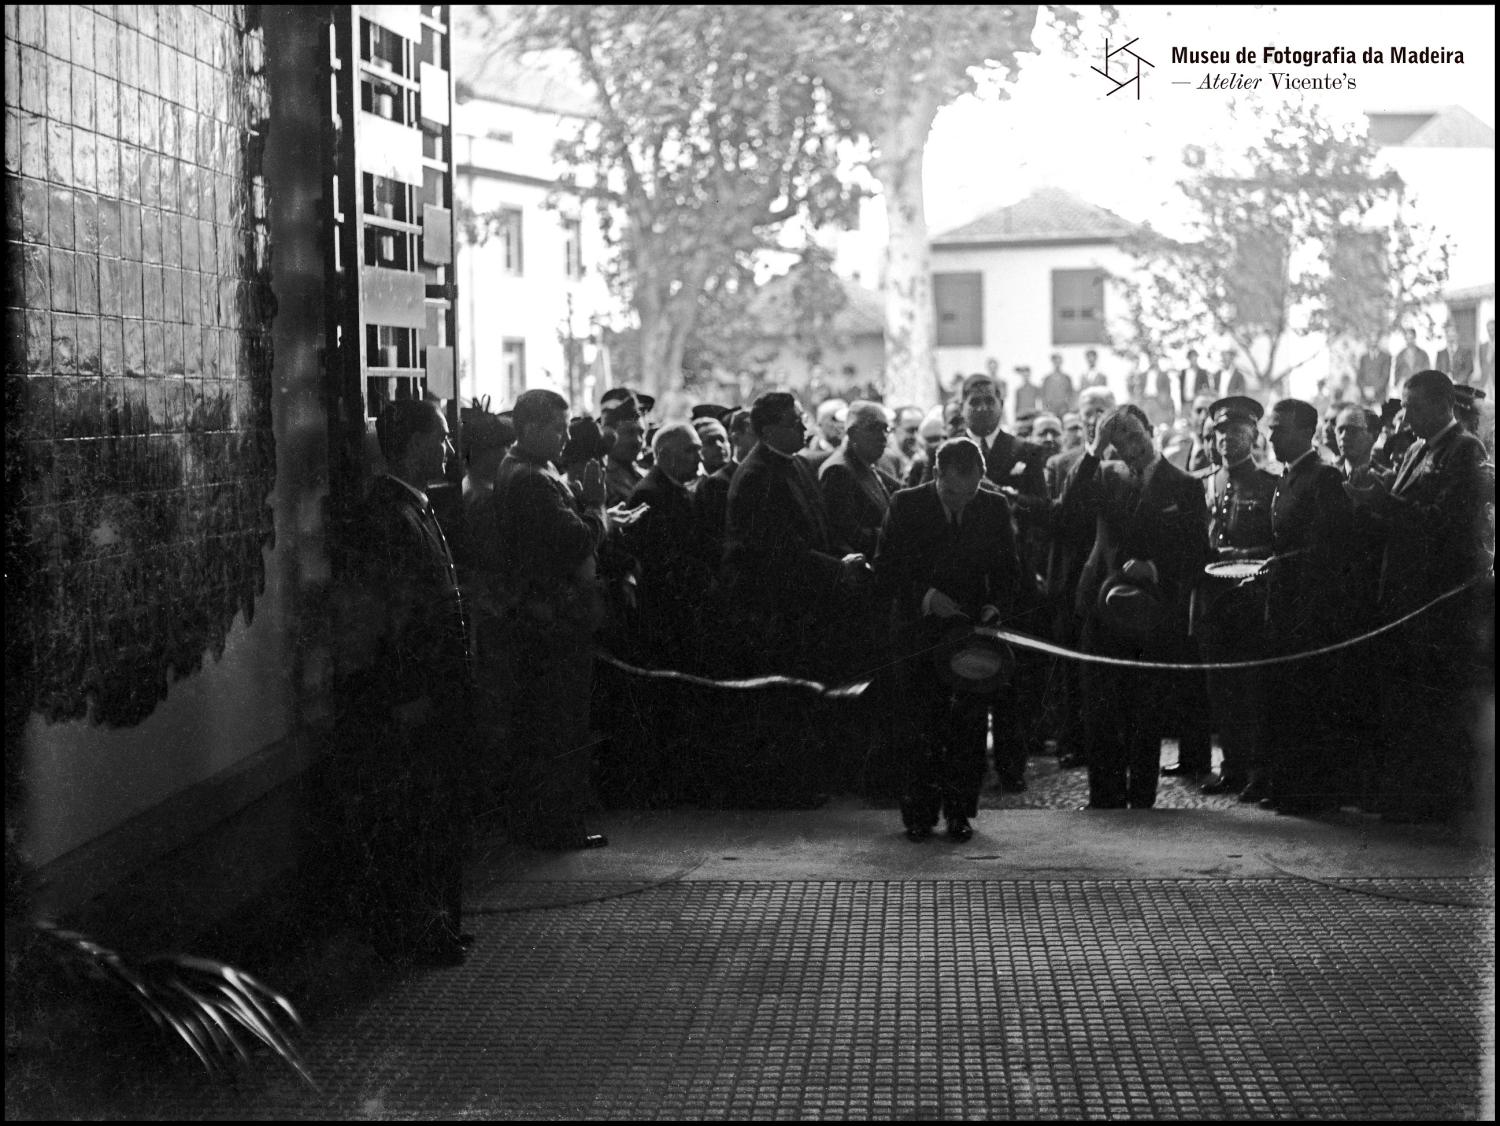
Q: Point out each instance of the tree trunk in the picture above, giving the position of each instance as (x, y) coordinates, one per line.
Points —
(910, 364)
(656, 340)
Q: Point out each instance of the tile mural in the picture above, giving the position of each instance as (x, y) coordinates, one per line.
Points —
(139, 450)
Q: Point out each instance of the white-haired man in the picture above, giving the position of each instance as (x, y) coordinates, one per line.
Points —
(855, 489)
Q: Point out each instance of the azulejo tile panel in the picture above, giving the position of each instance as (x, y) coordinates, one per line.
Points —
(138, 348)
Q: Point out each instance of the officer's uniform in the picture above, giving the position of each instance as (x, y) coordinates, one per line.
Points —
(1229, 614)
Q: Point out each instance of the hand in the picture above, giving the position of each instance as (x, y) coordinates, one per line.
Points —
(939, 604)
(621, 517)
(592, 490)
(854, 566)
(1139, 570)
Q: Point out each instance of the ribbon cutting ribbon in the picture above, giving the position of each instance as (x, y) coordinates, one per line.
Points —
(855, 688)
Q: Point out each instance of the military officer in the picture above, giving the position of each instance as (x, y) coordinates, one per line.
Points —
(1228, 614)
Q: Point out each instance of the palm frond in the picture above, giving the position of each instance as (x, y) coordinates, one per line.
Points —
(206, 1004)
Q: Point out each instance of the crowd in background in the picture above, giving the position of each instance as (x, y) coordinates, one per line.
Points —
(854, 544)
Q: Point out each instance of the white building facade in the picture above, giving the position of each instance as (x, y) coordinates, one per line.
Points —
(532, 298)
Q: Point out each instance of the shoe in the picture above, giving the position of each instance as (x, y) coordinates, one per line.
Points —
(918, 833)
(1266, 802)
(1219, 784)
(959, 829)
(1070, 761)
(1179, 771)
(1012, 783)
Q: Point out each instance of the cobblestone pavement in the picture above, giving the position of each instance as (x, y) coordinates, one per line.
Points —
(1175, 999)
(698, 996)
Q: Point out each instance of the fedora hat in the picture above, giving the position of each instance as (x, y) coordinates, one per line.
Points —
(970, 659)
(1130, 607)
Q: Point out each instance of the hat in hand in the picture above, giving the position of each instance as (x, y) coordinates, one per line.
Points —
(1133, 608)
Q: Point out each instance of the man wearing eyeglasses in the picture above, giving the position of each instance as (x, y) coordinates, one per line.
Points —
(855, 489)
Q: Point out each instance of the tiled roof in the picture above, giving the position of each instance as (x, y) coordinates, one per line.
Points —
(863, 313)
(1046, 215)
(1447, 127)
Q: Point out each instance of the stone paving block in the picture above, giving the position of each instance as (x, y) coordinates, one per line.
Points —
(1051, 999)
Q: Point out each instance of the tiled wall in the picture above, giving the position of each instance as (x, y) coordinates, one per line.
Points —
(139, 453)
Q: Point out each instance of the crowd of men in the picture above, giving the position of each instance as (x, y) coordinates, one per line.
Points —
(886, 548)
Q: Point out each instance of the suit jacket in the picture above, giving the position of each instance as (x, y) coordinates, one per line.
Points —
(1229, 381)
(778, 548)
(1458, 364)
(1373, 375)
(547, 541)
(1190, 457)
(1164, 521)
(1068, 546)
(620, 480)
(1407, 363)
(676, 565)
(711, 504)
(1191, 382)
(975, 563)
(1312, 528)
(1014, 462)
(1434, 520)
(856, 496)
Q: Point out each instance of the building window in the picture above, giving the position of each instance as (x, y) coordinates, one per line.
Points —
(513, 361)
(508, 236)
(959, 299)
(573, 248)
(1078, 307)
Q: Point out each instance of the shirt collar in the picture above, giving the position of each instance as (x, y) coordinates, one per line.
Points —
(1312, 452)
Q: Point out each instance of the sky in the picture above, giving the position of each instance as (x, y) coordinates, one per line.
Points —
(1062, 127)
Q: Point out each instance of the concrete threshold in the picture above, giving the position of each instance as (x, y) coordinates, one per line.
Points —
(846, 841)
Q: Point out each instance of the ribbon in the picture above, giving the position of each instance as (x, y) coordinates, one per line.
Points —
(854, 688)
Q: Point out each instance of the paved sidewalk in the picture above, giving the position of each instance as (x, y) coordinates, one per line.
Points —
(734, 965)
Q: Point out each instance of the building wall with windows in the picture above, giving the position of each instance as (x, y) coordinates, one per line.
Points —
(530, 269)
(1019, 304)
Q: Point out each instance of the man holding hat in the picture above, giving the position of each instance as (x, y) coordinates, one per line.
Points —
(947, 558)
(1150, 543)
(1229, 614)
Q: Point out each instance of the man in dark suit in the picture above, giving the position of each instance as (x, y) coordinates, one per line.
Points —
(676, 564)
(1193, 453)
(1410, 360)
(855, 489)
(1374, 373)
(403, 789)
(1229, 379)
(1434, 524)
(780, 558)
(786, 585)
(947, 554)
(1455, 360)
(548, 542)
(1010, 462)
(1311, 529)
(1150, 542)
(1193, 381)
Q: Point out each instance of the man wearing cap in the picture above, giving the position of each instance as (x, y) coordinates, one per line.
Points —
(1150, 542)
(947, 559)
(624, 432)
(1311, 532)
(1229, 615)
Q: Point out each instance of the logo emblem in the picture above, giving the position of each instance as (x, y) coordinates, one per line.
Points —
(1118, 61)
